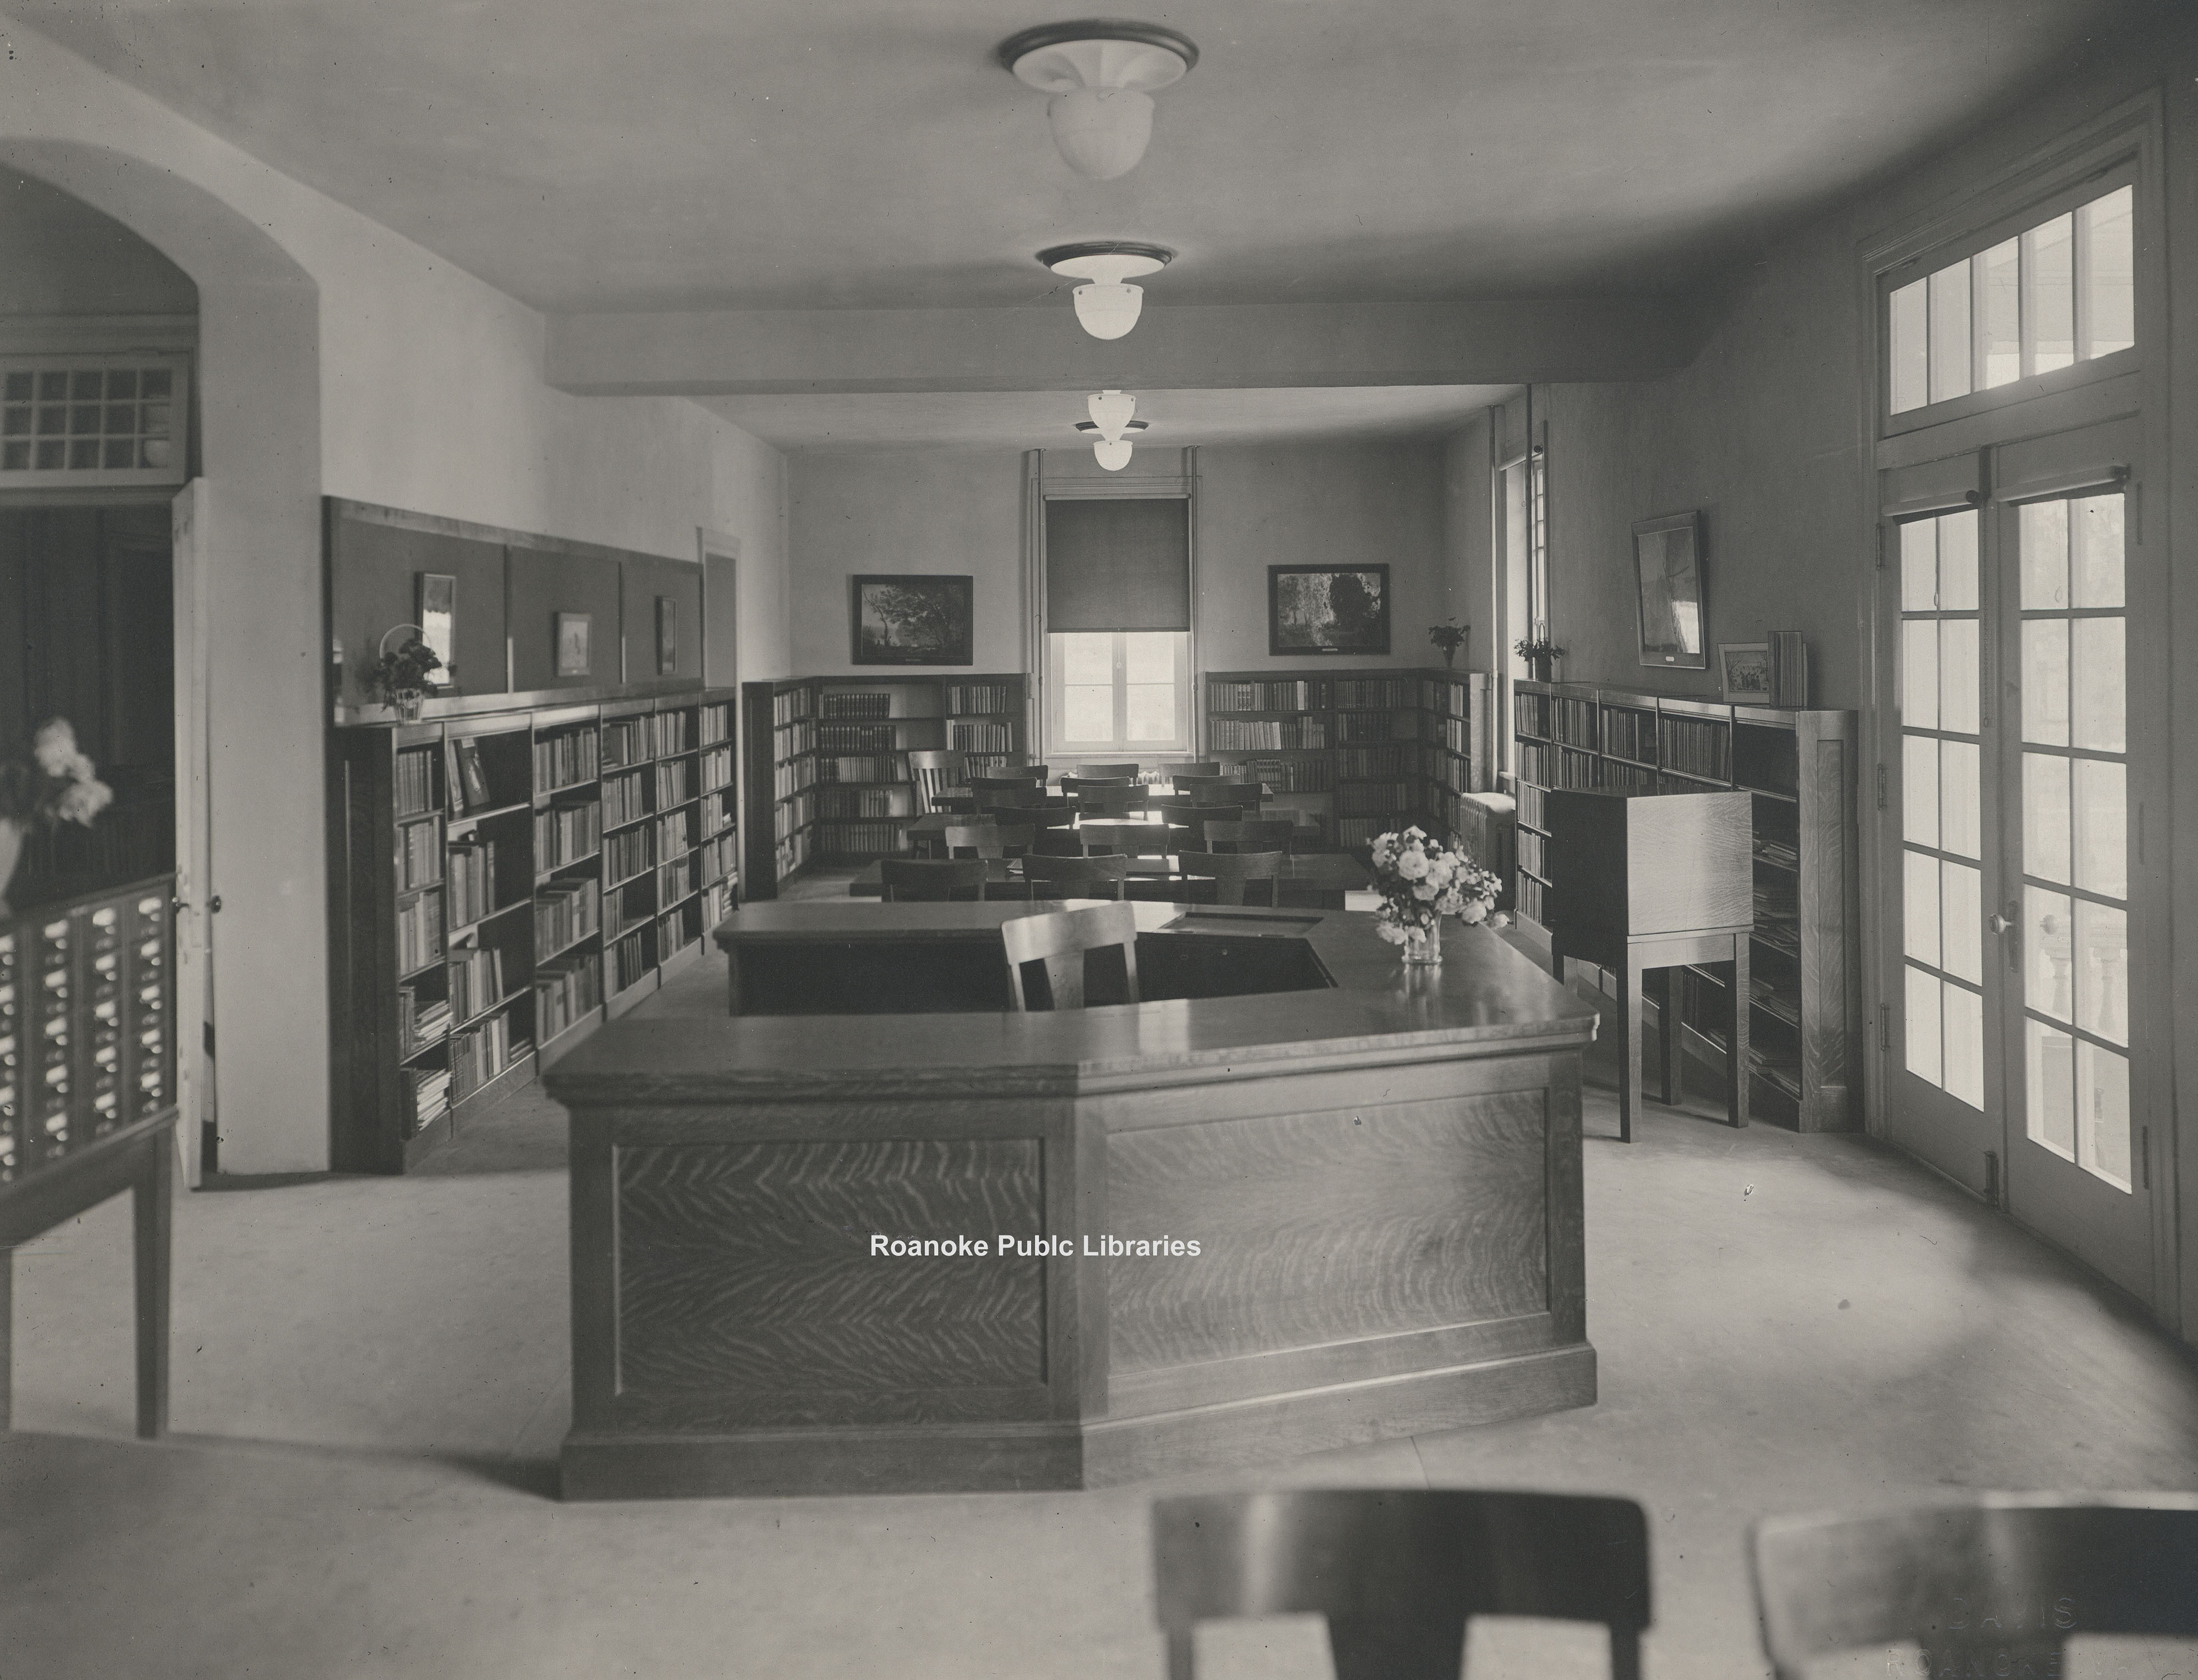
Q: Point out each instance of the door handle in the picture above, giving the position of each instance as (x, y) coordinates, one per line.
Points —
(2000, 924)
(2007, 922)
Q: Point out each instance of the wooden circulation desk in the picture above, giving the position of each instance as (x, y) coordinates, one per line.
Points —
(1381, 1168)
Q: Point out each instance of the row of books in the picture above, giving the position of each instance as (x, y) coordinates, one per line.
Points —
(720, 858)
(565, 991)
(863, 767)
(716, 769)
(562, 760)
(630, 960)
(1252, 735)
(476, 980)
(628, 906)
(717, 903)
(565, 834)
(421, 1021)
(790, 707)
(845, 802)
(1533, 853)
(1294, 776)
(1446, 696)
(629, 852)
(1454, 735)
(675, 833)
(1627, 779)
(792, 740)
(478, 1056)
(415, 781)
(419, 931)
(431, 1096)
(872, 705)
(674, 935)
(789, 851)
(675, 783)
(1361, 830)
(1530, 897)
(419, 855)
(1630, 733)
(714, 723)
(982, 737)
(789, 779)
(856, 738)
(625, 799)
(471, 884)
(841, 838)
(1372, 763)
(1364, 726)
(1379, 694)
(565, 912)
(1698, 747)
(1361, 799)
(963, 698)
(792, 815)
(675, 881)
(1298, 695)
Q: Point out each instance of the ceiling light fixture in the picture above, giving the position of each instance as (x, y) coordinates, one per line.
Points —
(1112, 453)
(1108, 306)
(1111, 411)
(1101, 75)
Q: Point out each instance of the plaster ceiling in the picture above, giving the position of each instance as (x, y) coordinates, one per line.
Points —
(1046, 418)
(762, 154)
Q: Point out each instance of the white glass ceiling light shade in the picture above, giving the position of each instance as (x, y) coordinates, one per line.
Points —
(1108, 306)
(1112, 453)
(1100, 75)
(1111, 411)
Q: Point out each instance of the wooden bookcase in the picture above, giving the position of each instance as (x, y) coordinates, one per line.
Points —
(1357, 752)
(1804, 1047)
(778, 757)
(509, 880)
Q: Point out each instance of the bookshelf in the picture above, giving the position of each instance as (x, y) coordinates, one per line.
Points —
(835, 753)
(510, 879)
(1804, 1047)
(1354, 751)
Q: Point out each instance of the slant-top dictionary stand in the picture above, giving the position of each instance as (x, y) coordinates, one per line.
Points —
(1655, 881)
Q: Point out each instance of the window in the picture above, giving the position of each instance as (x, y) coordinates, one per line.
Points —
(92, 420)
(2059, 291)
(1118, 625)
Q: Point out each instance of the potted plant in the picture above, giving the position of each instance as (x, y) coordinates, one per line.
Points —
(1421, 880)
(57, 784)
(400, 678)
(1448, 636)
(1541, 655)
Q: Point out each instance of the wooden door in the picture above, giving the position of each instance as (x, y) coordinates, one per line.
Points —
(194, 991)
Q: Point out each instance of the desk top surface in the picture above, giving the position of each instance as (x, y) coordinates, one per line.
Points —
(1484, 999)
(1324, 871)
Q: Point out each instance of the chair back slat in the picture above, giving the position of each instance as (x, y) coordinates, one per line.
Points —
(1130, 839)
(991, 795)
(1220, 790)
(1399, 1574)
(1253, 833)
(971, 840)
(2012, 1576)
(1075, 876)
(937, 776)
(1022, 772)
(1202, 768)
(914, 880)
(1106, 800)
(1105, 772)
(1059, 939)
(1232, 872)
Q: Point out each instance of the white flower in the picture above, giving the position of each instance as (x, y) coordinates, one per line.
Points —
(1390, 932)
(81, 800)
(1440, 869)
(1499, 920)
(1474, 910)
(1412, 863)
(54, 746)
(1425, 891)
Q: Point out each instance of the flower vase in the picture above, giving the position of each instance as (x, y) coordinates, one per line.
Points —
(1423, 947)
(408, 707)
(11, 853)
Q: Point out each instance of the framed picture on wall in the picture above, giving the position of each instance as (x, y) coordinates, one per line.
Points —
(437, 614)
(1667, 572)
(914, 619)
(1328, 609)
(667, 635)
(574, 631)
(1745, 668)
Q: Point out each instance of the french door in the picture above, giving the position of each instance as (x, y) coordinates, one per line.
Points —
(2017, 856)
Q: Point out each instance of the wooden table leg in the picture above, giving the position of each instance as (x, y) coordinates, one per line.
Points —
(7, 1336)
(1674, 1081)
(1736, 1060)
(152, 1203)
(1629, 1069)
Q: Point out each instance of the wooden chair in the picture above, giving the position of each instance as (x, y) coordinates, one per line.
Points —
(1107, 772)
(974, 839)
(1220, 790)
(1076, 877)
(1023, 771)
(963, 803)
(1995, 1587)
(921, 880)
(1198, 815)
(1015, 838)
(1398, 1574)
(937, 776)
(1113, 799)
(1253, 834)
(1131, 839)
(1230, 872)
(1060, 939)
(1005, 795)
(1210, 771)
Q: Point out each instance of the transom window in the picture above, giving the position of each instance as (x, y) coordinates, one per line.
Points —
(92, 420)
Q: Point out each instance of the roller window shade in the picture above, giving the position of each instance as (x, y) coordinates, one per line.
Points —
(1117, 564)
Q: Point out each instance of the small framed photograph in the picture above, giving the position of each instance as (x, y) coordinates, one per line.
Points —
(915, 620)
(473, 780)
(437, 611)
(667, 635)
(574, 631)
(1328, 609)
(1745, 668)
(1667, 565)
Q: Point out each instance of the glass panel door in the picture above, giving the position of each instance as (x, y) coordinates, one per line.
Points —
(2064, 925)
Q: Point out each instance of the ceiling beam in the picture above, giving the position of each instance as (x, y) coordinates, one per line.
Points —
(722, 352)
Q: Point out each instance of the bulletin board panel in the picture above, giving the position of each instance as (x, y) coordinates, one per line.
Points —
(544, 584)
(646, 580)
(376, 558)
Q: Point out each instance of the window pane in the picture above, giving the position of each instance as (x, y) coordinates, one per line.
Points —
(1957, 675)
(1950, 331)
(1087, 657)
(2102, 828)
(1919, 688)
(2102, 1114)
(1922, 1027)
(2049, 1076)
(2050, 249)
(1958, 824)
(2045, 681)
(2045, 534)
(1919, 908)
(1088, 713)
(2049, 942)
(1957, 561)
(2109, 279)
(1961, 917)
(1964, 1051)
(2100, 715)
(1152, 712)
(1150, 656)
(2101, 961)
(1919, 566)
(1999, 302)
(2095, 524)
(1919, 789)
(2045, 816)
(1911, 365)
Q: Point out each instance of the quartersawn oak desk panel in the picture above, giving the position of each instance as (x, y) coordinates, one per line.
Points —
(1383, 1176)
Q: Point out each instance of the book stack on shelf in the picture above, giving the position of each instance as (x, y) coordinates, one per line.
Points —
(1805, 990)
(502, 850)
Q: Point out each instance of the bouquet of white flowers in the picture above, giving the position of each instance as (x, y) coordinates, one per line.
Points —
(1421, 880)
